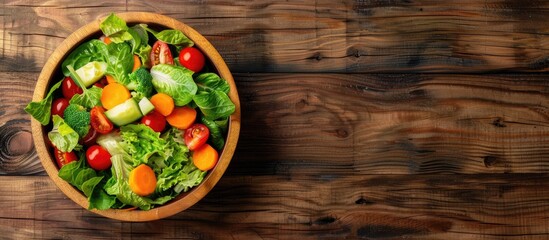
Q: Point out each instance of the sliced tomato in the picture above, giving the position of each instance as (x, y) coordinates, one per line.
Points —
(161, 54)
(64, 158)
(196, 136)
(99, 121)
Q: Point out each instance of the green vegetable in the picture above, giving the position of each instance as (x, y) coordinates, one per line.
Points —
(212, 98)
(216, 136)
(170, 36)
(139, 43)
(111, 142)
(141, 82)
(175, 81)
(124, 113)
(89, 182)
(141, 142)
(90, 97)
(94, 50)
(115, 28)
(215, 104)
(62, 136)
(78, 118)
(145, 106)
(118, 184)
(120, 61)
(91, 72)
(41, 110)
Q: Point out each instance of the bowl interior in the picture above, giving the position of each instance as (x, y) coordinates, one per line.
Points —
(51, 73)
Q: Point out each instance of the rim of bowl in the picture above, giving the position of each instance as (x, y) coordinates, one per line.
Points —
(184, 200)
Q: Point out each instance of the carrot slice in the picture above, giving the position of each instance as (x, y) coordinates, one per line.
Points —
(205, 157)
(142, 180)
(136, 63)
(163, 103)
(182, 117)
(107, 40)
(114, 94)
(110, 79)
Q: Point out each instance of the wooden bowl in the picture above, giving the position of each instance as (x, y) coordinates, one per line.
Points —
(51, 73)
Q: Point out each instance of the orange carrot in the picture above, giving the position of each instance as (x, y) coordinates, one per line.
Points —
(114, 94)
(107, 40)
(136, 63)
(163, 103)
(182, 117)
(110, 79)
(142, 180)
(205, 157)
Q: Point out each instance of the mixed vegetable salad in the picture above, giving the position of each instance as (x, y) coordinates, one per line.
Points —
(131, 126)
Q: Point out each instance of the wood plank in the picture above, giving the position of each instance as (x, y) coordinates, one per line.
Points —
(367, 123)
(488, 206)
(314, 36)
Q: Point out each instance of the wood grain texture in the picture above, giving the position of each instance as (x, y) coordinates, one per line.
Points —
(491, 206)
(314, 36)
(377, 123)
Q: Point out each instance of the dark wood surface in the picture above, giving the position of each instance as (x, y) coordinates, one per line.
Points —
(360, 119)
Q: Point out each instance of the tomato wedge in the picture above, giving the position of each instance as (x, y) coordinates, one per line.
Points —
(161, 54)
(196, 136)
(64, 158)
(99, 121)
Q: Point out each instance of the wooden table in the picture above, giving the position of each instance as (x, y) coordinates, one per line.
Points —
(365, 119)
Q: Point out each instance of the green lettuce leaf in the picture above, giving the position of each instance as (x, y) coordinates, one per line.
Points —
(175, 81)
(141, 142)
(62, 136)
(93, 50)
(214, 104)
(41, 110)
(120, 61)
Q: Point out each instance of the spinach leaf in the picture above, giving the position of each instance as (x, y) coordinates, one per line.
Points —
(170, 36)
(94, 50)
(216, 139)
(89, 97)
(62, 136)
(120, 61)
(115, 28)
(210, 82)
(41, 110)
(175, 81)
(214, 104)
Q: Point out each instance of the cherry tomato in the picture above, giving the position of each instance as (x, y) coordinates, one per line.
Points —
(161, 54)
(90, 138)
(155, 121)
(64, 158)
(192, 59)
(98, 158)
(99, 121)
(58, 106)
(69, 88)
(196, 136)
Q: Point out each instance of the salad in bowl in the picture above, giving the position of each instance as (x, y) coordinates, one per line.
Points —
(137, 116)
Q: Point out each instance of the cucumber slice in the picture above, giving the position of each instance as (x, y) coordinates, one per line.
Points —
(145, 106)
(92, 72)
(124, 113)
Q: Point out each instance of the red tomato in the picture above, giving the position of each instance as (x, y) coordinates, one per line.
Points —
(155, 121)
(196, 136)
(192, 59)
(98, 158)
(58, 106)
(69, 88)
(90, 138)
(161, 54)
(64, 158)
(99, 121)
